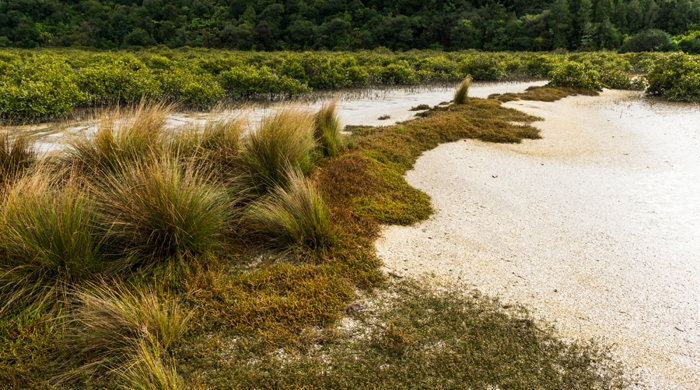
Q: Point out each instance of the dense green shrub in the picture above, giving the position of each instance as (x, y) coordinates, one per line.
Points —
(191, 87)
(112, 82)
(250, 81)
(650, 40)
(676, 77)
(199, 78)
(575, 75)
(396, 74)
(484, 67)
(39, 88)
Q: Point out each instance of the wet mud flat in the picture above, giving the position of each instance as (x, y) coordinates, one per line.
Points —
(595, 228)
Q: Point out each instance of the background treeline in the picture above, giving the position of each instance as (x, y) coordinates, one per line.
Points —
(352, 24)
(38, 85)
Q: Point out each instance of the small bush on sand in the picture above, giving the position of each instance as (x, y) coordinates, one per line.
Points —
(327, 130)
(113, 325)
(157, 209)
(16, 155)
(281, 144)
(293, 217)
(122, 136)
(462, 91)
(48, 240)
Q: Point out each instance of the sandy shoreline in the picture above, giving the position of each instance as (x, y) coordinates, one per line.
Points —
(595, 228)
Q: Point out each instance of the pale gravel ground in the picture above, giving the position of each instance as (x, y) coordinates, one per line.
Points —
(595, 228)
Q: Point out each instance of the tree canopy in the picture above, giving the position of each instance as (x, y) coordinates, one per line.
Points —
(341, 24)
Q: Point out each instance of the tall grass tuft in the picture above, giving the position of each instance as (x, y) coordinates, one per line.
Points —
(113, 325)
(122, 136)
(282, 142)
(215, 147)
(293, 217)
(327, 130)
(150, 371)
(462, 91)
(48, 240)
(158, 209)
(16, 155)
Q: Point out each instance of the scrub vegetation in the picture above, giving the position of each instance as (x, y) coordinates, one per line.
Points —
(38, 85)
(204, 258)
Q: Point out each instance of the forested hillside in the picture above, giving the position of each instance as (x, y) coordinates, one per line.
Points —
(342, 24)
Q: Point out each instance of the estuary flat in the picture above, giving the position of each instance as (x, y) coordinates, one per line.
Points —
(594, 228)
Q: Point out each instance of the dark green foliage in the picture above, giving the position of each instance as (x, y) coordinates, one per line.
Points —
(676, 77)
(650, 40)
(338, 25)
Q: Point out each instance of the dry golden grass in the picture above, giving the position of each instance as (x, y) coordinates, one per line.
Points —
(281, 143)
(462, 91)
(17, 154)
(112, 324)
(123, 135)
(327, 130)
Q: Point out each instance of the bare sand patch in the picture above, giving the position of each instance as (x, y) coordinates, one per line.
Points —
(595, 227)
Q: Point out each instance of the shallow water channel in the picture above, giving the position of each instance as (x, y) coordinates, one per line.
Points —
(358, 107)
(595, 227)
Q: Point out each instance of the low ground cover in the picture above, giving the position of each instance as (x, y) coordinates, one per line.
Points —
(252, 297)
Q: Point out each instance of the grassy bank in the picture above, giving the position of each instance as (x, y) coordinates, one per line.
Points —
(140, 257)
(45, 84)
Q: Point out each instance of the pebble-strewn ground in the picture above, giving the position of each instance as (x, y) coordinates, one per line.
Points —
(595, 228)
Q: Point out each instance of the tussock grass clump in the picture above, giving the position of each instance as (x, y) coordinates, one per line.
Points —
(294, 216)
(462, 91)
(150, 371)
(158, 209)
(282, 143)
(113, 324)
(327, 130)
(48, 239)
(122, 136)
(214, 148)
(16, 155)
